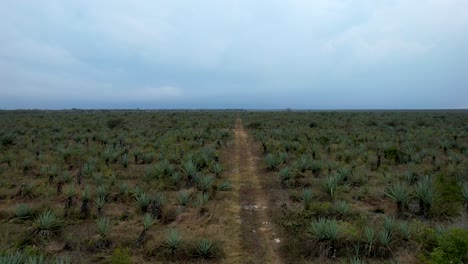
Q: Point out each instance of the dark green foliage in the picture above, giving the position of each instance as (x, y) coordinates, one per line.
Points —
(452, 247)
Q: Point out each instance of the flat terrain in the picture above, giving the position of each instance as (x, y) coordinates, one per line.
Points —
(234, 187)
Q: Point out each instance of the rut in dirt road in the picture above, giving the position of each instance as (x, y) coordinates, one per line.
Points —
(259, 242)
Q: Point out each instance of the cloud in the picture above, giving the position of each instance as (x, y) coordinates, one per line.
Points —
(173, 50)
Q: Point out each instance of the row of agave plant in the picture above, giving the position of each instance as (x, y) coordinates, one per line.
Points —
(93, 166)
(324, 159)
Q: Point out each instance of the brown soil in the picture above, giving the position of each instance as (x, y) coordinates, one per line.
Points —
(259, 242)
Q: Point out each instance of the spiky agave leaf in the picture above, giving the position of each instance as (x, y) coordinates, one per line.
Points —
(307, 197)
(173, 239)
(47, 223)
(23, 211)
(205, 248)
(103, 227)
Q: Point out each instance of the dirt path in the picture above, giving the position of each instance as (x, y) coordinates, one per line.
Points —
(258, 241)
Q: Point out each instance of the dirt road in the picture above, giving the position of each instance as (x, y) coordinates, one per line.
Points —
(258, 240)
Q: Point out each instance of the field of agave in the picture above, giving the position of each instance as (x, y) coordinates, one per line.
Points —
(111, 186)
(367, 187)
(166, 187)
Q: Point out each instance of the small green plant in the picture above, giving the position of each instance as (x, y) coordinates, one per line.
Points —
(272, 162)
(47, 224)
(69, 194)
(307, 197)
(285, 176)
(147, 223)
(405, 230)
(369, 238)
(121, 256)
(205, 183)
(103, 228)
(143, 201)
(324, 229)
(23, 211)
(400, 195)
(173, 240)
(342, 208)
(329, 186)
(102, 191)
(99, 202)
(205, 248)
(425, 192)
(217, 169)
(225, 186)
(183, 197)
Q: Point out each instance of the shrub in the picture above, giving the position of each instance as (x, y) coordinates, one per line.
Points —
(121, 256)
(452, 247)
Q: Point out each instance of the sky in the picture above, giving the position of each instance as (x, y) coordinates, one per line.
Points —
(265, 54)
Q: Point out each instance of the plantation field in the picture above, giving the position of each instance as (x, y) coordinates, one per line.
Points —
(233, 187)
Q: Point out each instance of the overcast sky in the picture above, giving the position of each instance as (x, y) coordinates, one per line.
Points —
(324, 54)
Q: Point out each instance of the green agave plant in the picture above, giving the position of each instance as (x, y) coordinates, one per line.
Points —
(23, 211)
(324, 229)
(307, 197)
(47, 223)
(205, 248)
(173, 239)
(225, 186)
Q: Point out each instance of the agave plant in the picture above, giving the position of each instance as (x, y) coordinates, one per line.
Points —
(389, 224)
(201, 201)
(329, 186)
(183, 197)
(173, 240)
(400, 194)
(99, 202)
(225, 186)
(316, 166)
(47, 224)
(342, 208)
(191, 171)
(157, 205)
(143, 200)
(307, 197)
(217, 169)
(123, 189)
(102, 191)
(103, 228)
(405, 230)
(385, 239)
(23, 212)
(324, 229)
(369, 238)
(272, 162)
(69, 194)
(303, 163)
(147, 223)
(425, 192)
(205, 183)
(124, 160)
(205, 248)
(286, 176)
